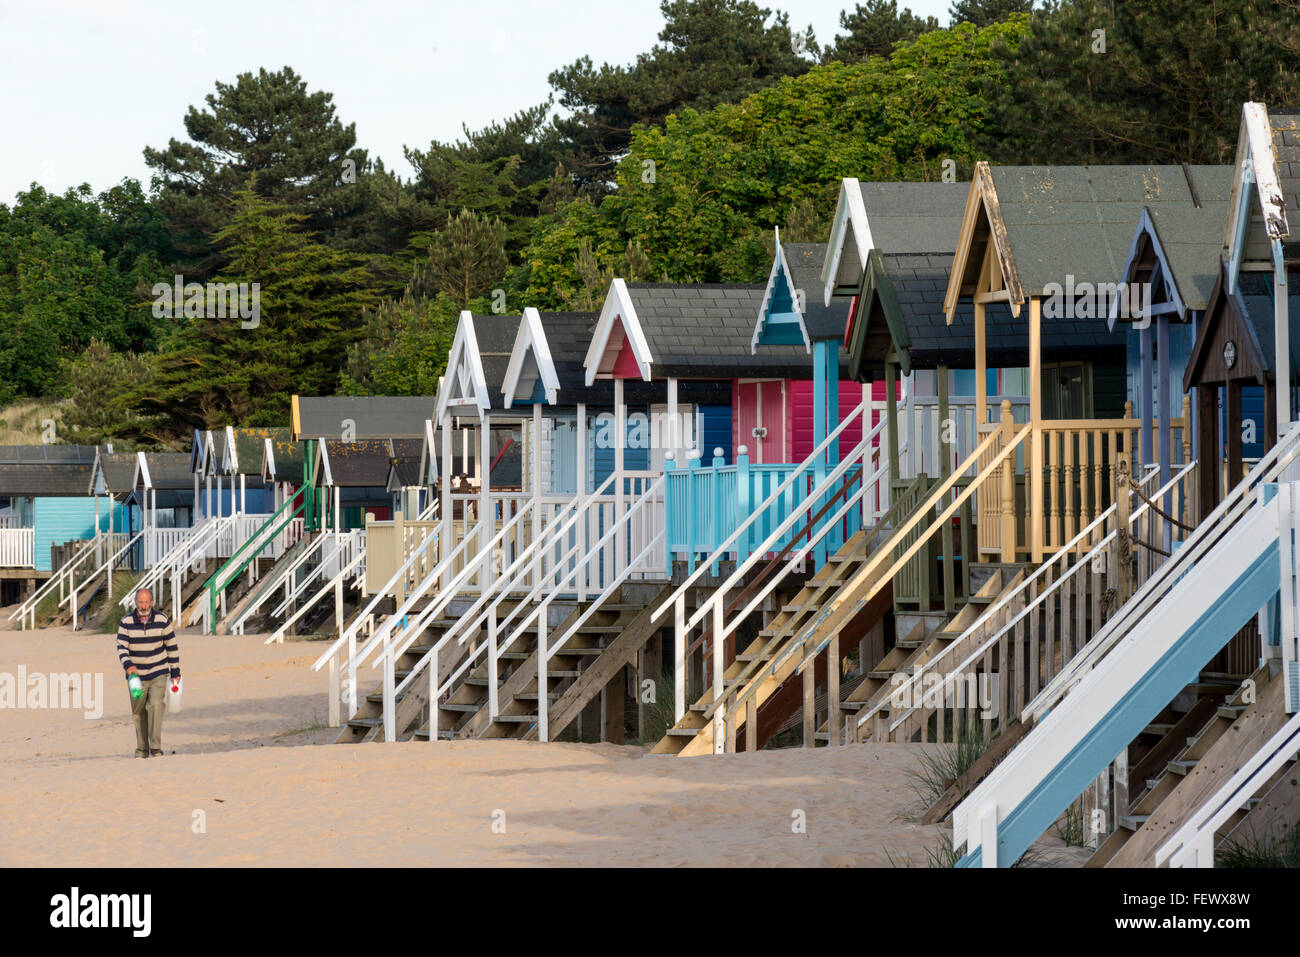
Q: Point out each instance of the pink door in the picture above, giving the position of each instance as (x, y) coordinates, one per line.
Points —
(760, 420)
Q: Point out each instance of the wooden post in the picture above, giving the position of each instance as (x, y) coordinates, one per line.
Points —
(810, 704)
(1281, 350)
(1207, 439)
(981, 371)
(1035, 497)
(945, 469)
(612, 698)
(1145, 456)
(1270, 414)
(1124, 547)
(891, 418)
(1008, 488)
(833, 713)
(1233, 438)
(620, 442)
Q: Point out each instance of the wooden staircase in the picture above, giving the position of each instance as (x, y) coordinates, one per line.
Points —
(1229, 729)
(265, 582)
(591, 659)
(368, 723)
(752, 667)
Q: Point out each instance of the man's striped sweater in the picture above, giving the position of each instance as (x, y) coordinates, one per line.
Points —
(150, 645)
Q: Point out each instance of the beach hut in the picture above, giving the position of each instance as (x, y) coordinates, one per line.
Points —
(1045, 241)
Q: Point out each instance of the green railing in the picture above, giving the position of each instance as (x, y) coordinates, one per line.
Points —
(222, 577)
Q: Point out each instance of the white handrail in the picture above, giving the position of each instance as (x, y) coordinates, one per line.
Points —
(772, 499)
(180, 555)
(429, 659)
(66, 574)
(1225, 514)
(519, 569)
(1193, 843)
(277, 636)
(107, 564)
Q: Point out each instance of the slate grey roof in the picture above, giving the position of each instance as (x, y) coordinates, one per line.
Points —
(1191, 237)
(47, 454)
(1079, 220)
(360, 464)
(45, 470)
(914, 217)
(171, 470)
(1285, 125)
(496, 340)
(703, 331)
(60, 479)
(375, 417)
(822, 322)
(919, 284)
(118, 469)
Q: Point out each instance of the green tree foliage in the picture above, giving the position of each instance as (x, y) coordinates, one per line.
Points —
(403, 347)
(1144, 81)
(216, 372)
(464, 261)
(983, 12)
(701, 192)
(503, 171)
(264, 124)
(710, 52)
(101, 382)
(873, 28)
(70, 270)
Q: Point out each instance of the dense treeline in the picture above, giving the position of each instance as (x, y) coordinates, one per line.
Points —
(674, 167)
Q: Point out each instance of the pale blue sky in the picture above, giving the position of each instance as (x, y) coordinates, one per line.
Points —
(85, 85)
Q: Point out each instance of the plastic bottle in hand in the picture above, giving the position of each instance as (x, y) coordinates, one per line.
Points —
(136, 685)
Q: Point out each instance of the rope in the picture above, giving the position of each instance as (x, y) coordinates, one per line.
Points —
(1137, 487)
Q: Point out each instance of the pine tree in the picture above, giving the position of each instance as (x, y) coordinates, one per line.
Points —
(464, 259)
(983, 12)
(225, 371)
(873, 29)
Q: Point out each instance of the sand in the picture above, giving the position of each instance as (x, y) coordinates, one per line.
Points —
(250, 778)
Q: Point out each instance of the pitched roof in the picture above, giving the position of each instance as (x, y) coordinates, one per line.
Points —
(45, 470)
(703, 331)
(794, 289)
(363, 463)
(1185, 239)
(891, 217)
(48, 454)
(372, 417)
(1250, 308)
(902, 304)
(250, 444)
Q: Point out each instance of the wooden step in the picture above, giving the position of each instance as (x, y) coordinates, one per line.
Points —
(517, 718)
(1133, 821)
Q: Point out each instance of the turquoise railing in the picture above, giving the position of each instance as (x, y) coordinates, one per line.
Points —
(705, 505)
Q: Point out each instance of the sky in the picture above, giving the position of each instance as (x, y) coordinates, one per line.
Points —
(85, 85)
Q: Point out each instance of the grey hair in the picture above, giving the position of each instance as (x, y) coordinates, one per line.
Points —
(139, 590)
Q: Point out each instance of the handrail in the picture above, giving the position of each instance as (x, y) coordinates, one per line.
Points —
(754, 665)
(923, 511)
(66, 573)
(341, 541)
(509, 578)
(445, 594)
(770, 567)
(268, 586)
(203, 533)
(219, 582)
(381, 594)
(1193, 842)
(823, 488)
(906, 688)
(106, 564)
(277, 636)
(1225, 514)
(808, 463)
(494, 648)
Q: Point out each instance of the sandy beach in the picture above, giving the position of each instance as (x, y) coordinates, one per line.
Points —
(250, 778)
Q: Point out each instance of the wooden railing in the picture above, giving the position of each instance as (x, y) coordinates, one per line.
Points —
(1062, 484)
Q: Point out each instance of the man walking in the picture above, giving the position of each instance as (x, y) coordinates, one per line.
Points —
(146, 645)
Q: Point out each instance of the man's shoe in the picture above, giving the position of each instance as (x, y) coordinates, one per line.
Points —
(141, 754)
(155, 754)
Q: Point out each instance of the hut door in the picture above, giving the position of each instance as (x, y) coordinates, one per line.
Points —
(761, 420)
